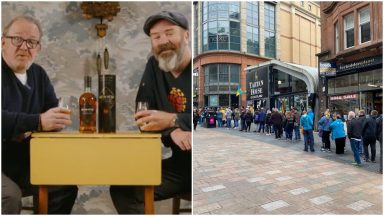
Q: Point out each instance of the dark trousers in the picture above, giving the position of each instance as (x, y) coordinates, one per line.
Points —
(174, 181)
(262, 124)
(370, 141)
(278, 130)
(325, 139)
(340, 144)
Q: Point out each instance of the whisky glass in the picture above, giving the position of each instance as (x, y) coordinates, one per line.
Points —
(141, 106)
(65, 102)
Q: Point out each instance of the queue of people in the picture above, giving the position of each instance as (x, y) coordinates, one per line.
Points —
(361, 130)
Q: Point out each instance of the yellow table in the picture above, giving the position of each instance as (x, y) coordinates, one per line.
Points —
(72, 158)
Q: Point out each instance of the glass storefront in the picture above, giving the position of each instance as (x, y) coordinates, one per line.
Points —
(221, 82)
(288, 91)
(356, 91)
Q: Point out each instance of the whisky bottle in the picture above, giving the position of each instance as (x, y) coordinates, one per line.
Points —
(87, 106)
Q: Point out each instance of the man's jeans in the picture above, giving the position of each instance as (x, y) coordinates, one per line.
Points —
(308, 140)
(236, 122)
(219, 122)
(297, 132)
(355, 149)
(229, 122)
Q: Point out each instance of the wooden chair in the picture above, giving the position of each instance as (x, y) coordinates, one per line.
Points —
(176, 203)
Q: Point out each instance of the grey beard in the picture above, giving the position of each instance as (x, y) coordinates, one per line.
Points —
(170, 63)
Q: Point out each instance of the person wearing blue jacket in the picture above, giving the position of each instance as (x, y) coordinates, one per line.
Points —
(306, 123)
(325, 123)
(262, 116)
(219, 116)
(338, 133)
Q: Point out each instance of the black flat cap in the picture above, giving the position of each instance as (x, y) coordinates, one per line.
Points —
(173, 17)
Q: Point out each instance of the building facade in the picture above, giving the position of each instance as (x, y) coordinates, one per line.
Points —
(231, 36)
(350, 62)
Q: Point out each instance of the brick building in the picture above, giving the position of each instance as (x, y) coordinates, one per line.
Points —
(350, 61)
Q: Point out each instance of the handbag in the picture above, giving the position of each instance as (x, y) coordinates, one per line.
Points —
(320, 133)
(302, 131)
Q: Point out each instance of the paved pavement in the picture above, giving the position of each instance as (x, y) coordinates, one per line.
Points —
(247, 173)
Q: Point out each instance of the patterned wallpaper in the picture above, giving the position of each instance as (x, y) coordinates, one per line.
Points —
(70, 46)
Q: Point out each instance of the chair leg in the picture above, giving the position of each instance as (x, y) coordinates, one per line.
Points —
(176, 205)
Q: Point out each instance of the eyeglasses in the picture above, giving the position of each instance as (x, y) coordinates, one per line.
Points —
(18, 41)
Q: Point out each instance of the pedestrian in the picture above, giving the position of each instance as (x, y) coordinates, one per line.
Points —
(28, 103)
(169, 36)
(361, 119)
(228, 116)
(296, 125)
(236, 118)
(277, 122)
(268, 122)
(338, 133)
(248, 120)
(324, 125)
(219, 116)
(354, 129)
(242, 119)
(369, 136)
(290, 119)
(256, 119)
(379, 137)
(311, 115)
(307, 125)
(262, 116)
(195, 118)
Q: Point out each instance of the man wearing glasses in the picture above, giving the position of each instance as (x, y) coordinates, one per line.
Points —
(29, 103)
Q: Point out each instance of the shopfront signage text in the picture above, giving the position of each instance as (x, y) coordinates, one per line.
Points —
(257, 83)
(327, 68)
(360, 64)
(343, 97)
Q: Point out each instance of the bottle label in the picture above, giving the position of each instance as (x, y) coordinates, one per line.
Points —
(87, 112)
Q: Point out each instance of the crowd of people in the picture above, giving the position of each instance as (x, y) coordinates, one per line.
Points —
(361, 130)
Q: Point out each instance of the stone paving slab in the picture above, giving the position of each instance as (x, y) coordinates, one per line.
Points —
(241, 173)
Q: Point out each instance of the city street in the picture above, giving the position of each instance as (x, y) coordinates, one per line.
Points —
(249, 173)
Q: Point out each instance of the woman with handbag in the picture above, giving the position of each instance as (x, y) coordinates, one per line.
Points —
(325, 123)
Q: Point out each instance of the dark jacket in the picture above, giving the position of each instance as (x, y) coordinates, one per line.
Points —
(369, 128)
(276, 118)
(248, 117)
(21, 106)
(354, 128)
(379, 129)
(166, 93)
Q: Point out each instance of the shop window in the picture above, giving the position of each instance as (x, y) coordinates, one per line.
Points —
(345, 84)
(349, 36)
(371, 80)
(364, 25)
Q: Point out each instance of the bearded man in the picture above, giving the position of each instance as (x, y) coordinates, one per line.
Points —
(166, 87)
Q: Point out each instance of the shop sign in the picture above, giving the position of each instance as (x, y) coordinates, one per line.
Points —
(327, 68)
(343, 97)
(214, 100)
(360, 64)
(218, 38)
(257, 83)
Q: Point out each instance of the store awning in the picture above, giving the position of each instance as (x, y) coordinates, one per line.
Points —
(308, 74)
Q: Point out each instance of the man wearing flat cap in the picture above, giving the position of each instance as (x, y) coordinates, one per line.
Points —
(166, 86)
